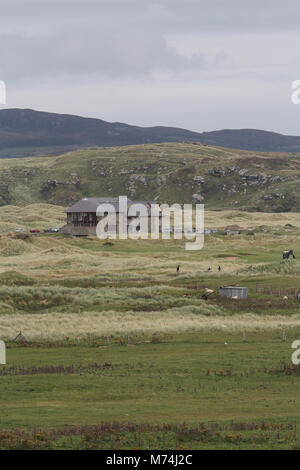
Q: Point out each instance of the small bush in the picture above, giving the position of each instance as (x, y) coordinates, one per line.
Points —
(156, 338)
(22, 236)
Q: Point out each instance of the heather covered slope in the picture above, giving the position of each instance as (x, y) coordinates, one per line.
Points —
(25, 132)
(252, 139)
(170, 172)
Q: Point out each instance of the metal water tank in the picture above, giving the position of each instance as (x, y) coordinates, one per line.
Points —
(234, 292)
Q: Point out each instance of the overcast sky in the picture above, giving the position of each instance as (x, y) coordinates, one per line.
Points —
(196, 64)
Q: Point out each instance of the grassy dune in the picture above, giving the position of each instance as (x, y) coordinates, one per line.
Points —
(86, 286)
(39, 328)
(32, 216)
(114, 334)
(47, 215)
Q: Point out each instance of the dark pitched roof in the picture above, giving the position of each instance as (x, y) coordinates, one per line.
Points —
(90, 204)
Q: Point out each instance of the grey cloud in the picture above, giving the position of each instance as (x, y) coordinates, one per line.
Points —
(126, 44)
(105, 43)
(105, 54)
(196, 15)
(122, 37)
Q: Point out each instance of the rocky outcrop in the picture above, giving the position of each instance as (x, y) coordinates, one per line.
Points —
(5, 197)
(199, 179)
(50, 185)
(161, 180)
(244, 175)
(197, 197)
(270, 197)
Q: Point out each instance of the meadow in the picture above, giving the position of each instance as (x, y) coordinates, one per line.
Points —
(118, 350)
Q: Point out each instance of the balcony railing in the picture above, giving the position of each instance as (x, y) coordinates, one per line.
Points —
(78, 223)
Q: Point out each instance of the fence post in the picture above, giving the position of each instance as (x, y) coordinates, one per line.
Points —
(283, 336)
(244, 337)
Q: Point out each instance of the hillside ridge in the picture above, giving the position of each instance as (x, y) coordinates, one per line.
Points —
(170, 172)
(26, 132)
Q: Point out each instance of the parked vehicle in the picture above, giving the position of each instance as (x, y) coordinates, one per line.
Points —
(51, 230)
(19, 229)
(34, 230)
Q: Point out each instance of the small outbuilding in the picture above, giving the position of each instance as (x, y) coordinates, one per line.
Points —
(234, 292)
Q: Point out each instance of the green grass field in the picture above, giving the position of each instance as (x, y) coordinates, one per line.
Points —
(199, 392)
(122, 352)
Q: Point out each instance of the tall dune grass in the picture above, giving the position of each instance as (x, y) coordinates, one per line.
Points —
(37, 297)
(285, 267)
(57, 326)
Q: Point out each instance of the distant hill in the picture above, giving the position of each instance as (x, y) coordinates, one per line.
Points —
(168, 172)
(252, 139)
(25, 132)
